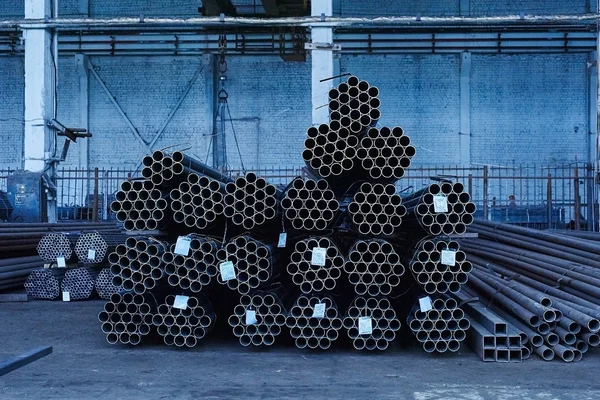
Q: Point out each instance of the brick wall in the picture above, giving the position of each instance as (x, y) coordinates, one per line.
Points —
(11, 112)
(69, 106)
(12, 9)
(376, 8)
(495, 7)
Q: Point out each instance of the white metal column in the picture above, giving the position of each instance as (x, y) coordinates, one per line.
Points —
(322, 63)
(465, 109)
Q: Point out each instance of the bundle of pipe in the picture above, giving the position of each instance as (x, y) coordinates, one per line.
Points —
(80, 282)
(385, 153)
(245, 264)
(104, 284)
(258, 319)
(441, 327)
(45, 283)
(316, 264)
(192, 268)
(310, 204)
(197, 202)
(439, 265)
(140, 205)
(373, 267)
(329, 149)
(137, 265)
(355, 104)
(440, 209)
(371, 323)
(250, 201)
(14, 271)
(92, 247)
(56, 245)
(377, 209)
(126, 318)
(314, 321)
(184, 320)
(585, 235)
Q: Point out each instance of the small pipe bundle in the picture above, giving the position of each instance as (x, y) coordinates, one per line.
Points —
(198, 202)
(137, 265)
(314, 322)
(440, 328)
(315, 272)
(440, 209)
(250, 201)
(92, 247)
(373, 267)
(355, 104)
(104, 284)
(439, 266)
(258, 319)
(80, 282)
(158, 168)
(126, 318)
(183, 321)
(140, 205)
(44, 283)
(310, 204)
(195, 269)
(376, 209)
(329, 149)
(371, 323)
(56, 245)
(385, 153)
(168, 170)
(245, 264)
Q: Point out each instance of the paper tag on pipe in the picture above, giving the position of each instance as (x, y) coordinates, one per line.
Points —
(282, 239)
(319, 310)
(440, 203)
(182, 246)
(60, 261)
(91, 254)
(181, 302)
(66, 296)
(425, 304)
(365, 326)
(227, 271)
(319, 255)
(251, 317)
(449, 257)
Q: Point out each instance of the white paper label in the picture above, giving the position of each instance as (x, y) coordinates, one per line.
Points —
(425, 304)
(319, 310)
(91, 254)
(180, 302)
(60, 261)
(318, 256)
(365, 326)
(250, 317)
(282, 239)
(440, 204)
(227, 271)
(66, 296)
(182, 246)
(449, 257)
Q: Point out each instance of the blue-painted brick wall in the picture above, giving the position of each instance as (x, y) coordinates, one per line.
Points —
(11, 112)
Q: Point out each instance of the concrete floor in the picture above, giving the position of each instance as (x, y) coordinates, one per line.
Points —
(84, 366)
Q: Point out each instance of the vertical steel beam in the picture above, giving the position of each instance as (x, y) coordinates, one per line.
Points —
(465, 109)
(464, 8)
(322, 63)
(84, 84)
(210, 101)
(84, 7)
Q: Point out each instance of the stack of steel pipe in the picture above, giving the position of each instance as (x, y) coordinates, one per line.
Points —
(376, 209)
(104, 284)
(140, 205)
(14, 271)
(92, 247)
(310, 204)
(126, 318)
(314, 321)
(439, 265)
(330, 150)
(385, 153)
(440, 325)
(57, 245)
(355, 104)
(443, 208)
(79, 282)
(373, 267)
(193, 267)
(197, 202)
(315, 272)
(137, 265)
(184, 320)
(258, 319)
(45, 283)
(371, 323)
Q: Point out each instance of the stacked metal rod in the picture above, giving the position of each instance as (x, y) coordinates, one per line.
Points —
(373, 267)
(45, 283)
(56, 245)
(439, 265)
(258, 319)
(330, 149)
(376, 209)
(385, 153)
(443, 208)
(316, 264)
(79, 282)
(440, 325)
(371, 323)
(197, 202)
(140, 205)
(250, 201)
(310, 204)
(92, 247)
(184, 320)
(104, 284)
(14, 271)
(314, 322)
(194, 266)
(137, 265)
(126, 318)
(355, 104)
